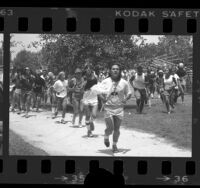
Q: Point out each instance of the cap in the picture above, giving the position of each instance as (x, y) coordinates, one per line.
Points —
(160, 71)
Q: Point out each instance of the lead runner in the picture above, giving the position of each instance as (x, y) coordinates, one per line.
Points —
(119, 92)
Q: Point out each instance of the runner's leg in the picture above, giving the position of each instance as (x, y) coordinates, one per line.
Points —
(75, 107)
(81, 106)
(117, 123)
(109, 130)
(93, 115)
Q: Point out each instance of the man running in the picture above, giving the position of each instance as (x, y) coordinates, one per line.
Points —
(138, 82)
(117, 93)
(151, 86)
(90, 100)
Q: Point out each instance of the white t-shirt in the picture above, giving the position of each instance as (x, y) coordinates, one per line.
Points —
(139, 81)
(61, 88)
(176, 77)
(116, 92)
(90, 97)
(169, 82)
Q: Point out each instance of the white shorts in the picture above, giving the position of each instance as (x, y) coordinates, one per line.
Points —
(109, 113)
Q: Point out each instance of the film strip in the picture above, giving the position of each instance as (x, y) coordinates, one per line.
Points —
(39, 149)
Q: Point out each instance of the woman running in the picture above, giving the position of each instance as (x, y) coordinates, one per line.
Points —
(117, 93)
(182, 75)
(38, 87)
(160, 84)
(51, 93)
(77, 96)
(60, 87)
(169, 92)
(17, 92)
(90, 100)
(27, 80)
(138, 82)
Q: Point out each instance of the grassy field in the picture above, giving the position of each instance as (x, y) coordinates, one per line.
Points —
(176, 127)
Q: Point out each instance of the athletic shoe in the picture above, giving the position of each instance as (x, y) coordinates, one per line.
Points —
(54, 115)
(62, 121)
(106, 142)
(115, 149)
(26, 116)
(89, 133)
(80, 125)
(19, 112)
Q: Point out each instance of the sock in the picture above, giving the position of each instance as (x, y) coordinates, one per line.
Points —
(114, 143)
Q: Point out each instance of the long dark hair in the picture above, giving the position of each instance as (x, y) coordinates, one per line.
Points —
(120, 71)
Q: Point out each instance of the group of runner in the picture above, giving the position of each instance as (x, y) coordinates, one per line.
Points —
(85, 91)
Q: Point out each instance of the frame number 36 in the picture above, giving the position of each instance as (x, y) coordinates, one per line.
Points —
(181, 179)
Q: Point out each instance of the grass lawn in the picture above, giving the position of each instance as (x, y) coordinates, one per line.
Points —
(176, 127)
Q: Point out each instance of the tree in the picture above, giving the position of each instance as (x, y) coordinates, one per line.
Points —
(66, 52)
(26, 59)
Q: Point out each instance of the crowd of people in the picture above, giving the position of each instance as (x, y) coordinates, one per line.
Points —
(87, 92)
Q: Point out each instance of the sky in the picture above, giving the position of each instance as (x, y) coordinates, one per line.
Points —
(26, 39)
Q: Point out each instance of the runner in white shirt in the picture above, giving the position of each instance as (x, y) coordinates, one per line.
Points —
(60, 87)
(169, 92)
(138, 82)
(117, 92)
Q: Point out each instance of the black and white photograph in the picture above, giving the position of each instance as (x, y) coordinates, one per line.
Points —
(100, 95)
(1, 93)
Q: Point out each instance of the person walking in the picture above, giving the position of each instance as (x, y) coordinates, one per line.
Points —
(117, 93)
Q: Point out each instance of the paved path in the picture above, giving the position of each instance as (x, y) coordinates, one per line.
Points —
(43, 133)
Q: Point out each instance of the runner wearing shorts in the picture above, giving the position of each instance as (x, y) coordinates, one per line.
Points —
(38, 86)
(60, 88)
(117, 92)
(138, 82)
(90, 100)
(77, 96)
(27, 80)
(182, 75)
